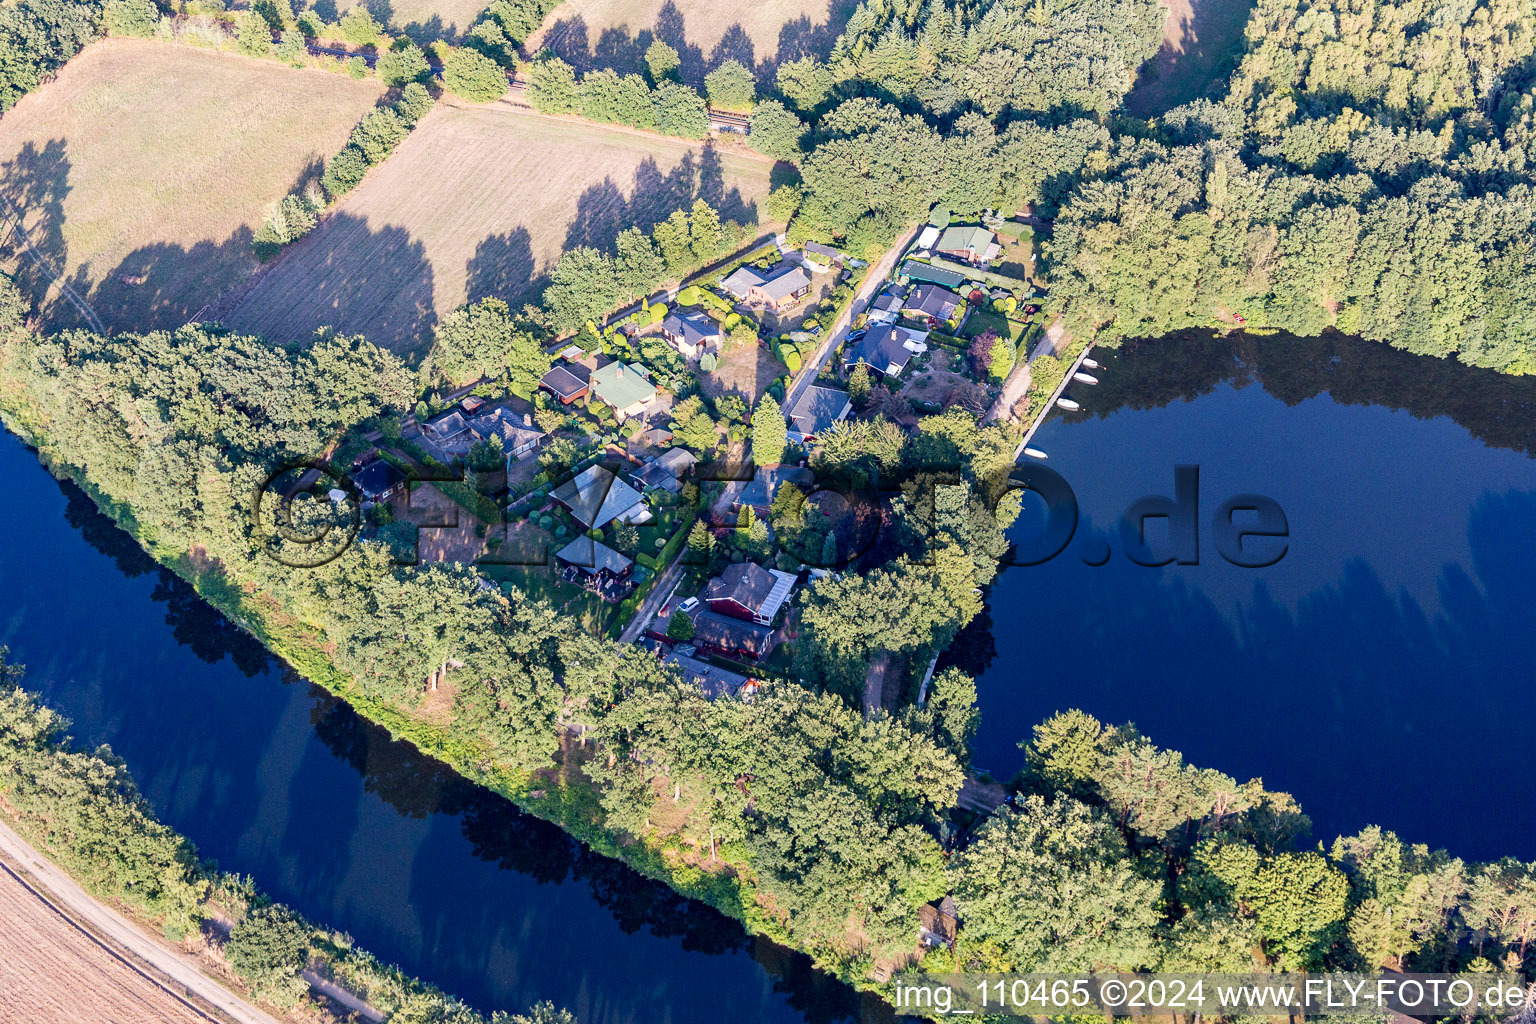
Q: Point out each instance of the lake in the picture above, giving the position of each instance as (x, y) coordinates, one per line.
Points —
(273, 778)
(1382, 671)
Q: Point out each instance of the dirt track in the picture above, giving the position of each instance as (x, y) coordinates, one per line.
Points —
(51, 970)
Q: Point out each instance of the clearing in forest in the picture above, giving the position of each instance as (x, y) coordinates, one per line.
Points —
(1202, 40)
(481, 200)
(142, 171)
(616, 33)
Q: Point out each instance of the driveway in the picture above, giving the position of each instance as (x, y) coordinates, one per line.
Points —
(660, 594)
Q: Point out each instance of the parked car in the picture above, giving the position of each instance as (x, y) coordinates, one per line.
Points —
(688, 605)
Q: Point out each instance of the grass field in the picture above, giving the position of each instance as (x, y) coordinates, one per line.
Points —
(615, 33)
(1199, 37)
(481, 201)
(422, 20)
(142, 171)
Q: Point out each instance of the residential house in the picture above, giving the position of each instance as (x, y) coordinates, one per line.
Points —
(596, 497)
(886, 309)
(887, 349)
(970, 244)
(914, 270)
(938, 923)
(594, 558)
(666, 471)
(379, 481)
(760, 490)
(931, 301)
(730, 637)
(779, 289)
(448, 432)
(820, 258)
(692, 334)
(745, 590)
(564, 385)
(625, 386)
(452, 434)
(815, 410)
(714, 681)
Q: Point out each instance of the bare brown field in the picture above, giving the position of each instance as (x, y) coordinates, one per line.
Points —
(1198, 38)
(616, 33)
(481, 200)
(50, 971)
(142, 171)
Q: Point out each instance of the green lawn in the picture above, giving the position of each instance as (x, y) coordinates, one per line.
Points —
(983, 320)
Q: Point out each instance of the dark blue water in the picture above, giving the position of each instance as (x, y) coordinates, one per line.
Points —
(274, 779)
(1383, 672)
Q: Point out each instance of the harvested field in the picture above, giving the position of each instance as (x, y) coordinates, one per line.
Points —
(1201, 41)
(143, 170)
(51, 971)
(481, 201)
(616, 33)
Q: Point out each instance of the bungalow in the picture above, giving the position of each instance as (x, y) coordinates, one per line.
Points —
(938, 924)
(595, 558)
(820, 258)
(714, 681)
(596, 497)
(932, 301)
(745, 590)
(886, 309)
(761, 488)
(666, 471)
(448, 432)
(692, 334)
(970, 244)
(452, 434)
(887, 349)
(564, 385)
(625, 386)
(815, 410)
(779, 289)
(731, 638)
(379, 481)
(914, 270)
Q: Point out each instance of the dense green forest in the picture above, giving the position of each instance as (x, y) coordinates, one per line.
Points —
(793, 812)
(83, 809)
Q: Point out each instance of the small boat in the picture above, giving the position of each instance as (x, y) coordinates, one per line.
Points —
(1035, 453)
(1085, 378)
(1068, 404)
(1090, 364)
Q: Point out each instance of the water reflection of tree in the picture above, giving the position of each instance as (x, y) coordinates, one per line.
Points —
(418, 786)
(1497, 408)
(196, 625)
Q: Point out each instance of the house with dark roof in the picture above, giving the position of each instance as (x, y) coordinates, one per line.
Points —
(933, 301)
(759, 491)
(596, 497)
(938, 923)
(666, 471)
(564, 385)
(731, 638)
(886, 348)
(379, 480)
(625, 386)
(969, 243)
(452, 434)
(914, 270)
(692, 334)
(715, 682)
(745, 590)
(885, 309)
(815, 410)
(821, 258)
(595, 558)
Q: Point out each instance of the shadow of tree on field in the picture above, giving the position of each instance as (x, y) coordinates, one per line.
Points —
(502, 266)
(163, 285)
(1206, 49)
(348, 276)
(616, 48)
(33, 185)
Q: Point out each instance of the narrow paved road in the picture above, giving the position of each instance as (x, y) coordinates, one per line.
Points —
(873, 283)
(122, 938)
(658, 596)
